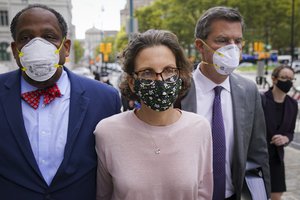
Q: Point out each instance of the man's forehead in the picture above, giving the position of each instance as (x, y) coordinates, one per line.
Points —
(39, 13)
(225, 27)
(37, 18)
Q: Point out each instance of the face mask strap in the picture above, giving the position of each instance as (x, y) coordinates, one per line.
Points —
(57, 65)
(220, 54)
(59, 48)
(20, 53)
(206, 63)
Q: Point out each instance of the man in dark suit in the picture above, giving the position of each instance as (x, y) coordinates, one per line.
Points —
(48, 114)
(219, 37)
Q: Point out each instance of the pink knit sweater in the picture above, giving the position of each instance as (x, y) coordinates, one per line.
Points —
(129, 168)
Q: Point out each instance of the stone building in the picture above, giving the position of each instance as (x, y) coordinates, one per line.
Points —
(125, 12)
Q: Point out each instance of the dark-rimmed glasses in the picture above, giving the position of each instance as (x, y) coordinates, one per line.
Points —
(168, 75)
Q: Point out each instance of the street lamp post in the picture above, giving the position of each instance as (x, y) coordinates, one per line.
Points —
(131, 23)
(292, 31)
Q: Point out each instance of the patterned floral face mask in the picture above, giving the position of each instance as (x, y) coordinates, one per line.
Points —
(156, 94)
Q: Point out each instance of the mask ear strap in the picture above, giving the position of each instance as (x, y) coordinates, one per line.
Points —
(57, 65)
(57, 52)
(59, 48)
(206, 63)
(220, 54)
(20, 54)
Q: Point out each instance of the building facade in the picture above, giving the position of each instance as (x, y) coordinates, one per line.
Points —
(125, 13)
(9, 8)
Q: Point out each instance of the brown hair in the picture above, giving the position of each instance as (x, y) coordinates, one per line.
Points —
(278, 69)
(148, 39)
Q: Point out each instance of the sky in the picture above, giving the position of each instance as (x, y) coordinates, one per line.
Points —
(89, 13)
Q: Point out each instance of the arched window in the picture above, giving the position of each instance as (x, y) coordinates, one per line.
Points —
(4, 55)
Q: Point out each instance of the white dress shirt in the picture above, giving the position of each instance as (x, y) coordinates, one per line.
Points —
(47, 127)
(205, 96)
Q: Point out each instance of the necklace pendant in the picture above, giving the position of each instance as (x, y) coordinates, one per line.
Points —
(157, 151)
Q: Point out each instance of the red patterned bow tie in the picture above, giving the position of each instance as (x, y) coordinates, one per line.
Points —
(33, 97)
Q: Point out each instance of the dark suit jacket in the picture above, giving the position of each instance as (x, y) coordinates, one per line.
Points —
(75, 179)
(249, 128)
(287, 126)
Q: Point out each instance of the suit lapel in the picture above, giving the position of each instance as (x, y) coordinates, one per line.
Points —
(238, 94)
(78, 107)
(13, 110)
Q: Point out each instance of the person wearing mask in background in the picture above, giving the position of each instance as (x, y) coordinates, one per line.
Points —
(238, 129)
(48, 114)
(157, 151)
(280, 113)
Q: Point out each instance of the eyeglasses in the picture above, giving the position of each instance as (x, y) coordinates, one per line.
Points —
(168, 75)
(284, 78)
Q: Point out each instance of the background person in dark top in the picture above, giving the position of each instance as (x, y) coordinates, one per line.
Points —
(280, 114)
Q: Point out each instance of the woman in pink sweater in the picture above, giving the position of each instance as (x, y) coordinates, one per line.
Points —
(156, 152)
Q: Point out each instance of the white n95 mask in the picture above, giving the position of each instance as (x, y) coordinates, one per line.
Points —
(226, 59)
(39, 59)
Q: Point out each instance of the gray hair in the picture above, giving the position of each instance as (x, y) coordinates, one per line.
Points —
(203, 27)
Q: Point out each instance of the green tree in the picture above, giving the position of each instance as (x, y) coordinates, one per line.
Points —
(78, 50)
(268, 21)
(151, 17)
(121, 40)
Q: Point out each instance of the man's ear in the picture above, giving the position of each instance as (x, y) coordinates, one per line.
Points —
(199, 45)
(67, 46)
(13, 47)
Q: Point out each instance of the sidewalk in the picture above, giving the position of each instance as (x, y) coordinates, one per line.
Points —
(292, 173)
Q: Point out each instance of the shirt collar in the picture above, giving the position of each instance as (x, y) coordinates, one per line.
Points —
(205, 84)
